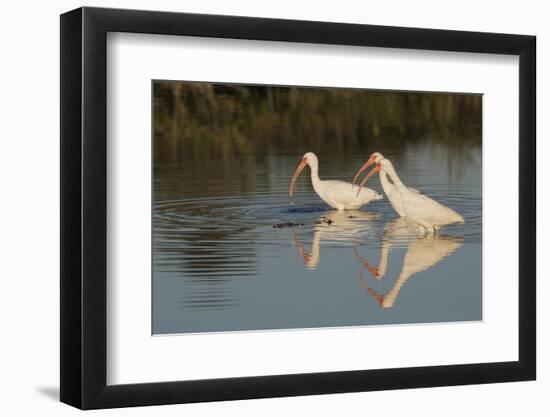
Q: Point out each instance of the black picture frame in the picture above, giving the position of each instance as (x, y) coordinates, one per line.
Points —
(84, 207)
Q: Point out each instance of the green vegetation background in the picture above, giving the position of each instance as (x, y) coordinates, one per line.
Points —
(198, 120)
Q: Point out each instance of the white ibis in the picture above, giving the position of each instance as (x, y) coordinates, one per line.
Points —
(337, 194)
(407, 201)
(423, 252)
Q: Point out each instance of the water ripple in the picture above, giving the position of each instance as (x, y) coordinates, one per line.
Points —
(211, 241)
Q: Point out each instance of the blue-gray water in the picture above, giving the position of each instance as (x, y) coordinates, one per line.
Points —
(220, 265)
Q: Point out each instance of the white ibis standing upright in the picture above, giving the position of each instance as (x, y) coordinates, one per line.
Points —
(337, 194)
(406, 201)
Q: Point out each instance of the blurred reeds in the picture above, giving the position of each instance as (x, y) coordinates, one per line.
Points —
(199, 120)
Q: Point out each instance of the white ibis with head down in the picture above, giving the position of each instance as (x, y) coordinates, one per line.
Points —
(406, 201)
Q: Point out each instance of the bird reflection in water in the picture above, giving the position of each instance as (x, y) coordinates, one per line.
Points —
(345, 227)
(423, 252)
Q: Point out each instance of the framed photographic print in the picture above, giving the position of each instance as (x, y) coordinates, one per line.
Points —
(258, 207)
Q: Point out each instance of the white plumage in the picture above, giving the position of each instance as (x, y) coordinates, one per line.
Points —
(337, 194)
(407, 201)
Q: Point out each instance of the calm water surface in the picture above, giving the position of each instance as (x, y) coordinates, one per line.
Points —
(219, 264)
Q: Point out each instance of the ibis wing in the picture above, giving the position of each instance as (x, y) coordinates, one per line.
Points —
(344, 193)
(420, 207)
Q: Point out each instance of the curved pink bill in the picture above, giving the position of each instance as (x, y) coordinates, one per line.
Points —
(370, 174)
(363, 168)
(296, 175)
